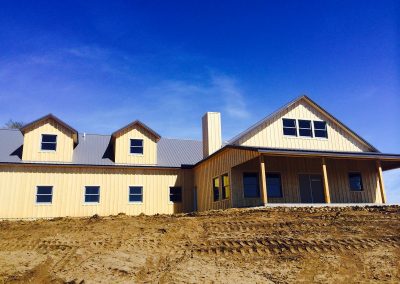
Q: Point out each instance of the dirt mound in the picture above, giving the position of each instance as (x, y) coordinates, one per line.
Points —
(271, 245)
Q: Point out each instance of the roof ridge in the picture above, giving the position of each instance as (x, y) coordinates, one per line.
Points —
(184, 139)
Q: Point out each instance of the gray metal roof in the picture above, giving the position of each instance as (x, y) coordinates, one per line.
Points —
(96, 149)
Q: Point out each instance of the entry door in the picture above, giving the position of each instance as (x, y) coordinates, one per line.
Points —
(311, 189)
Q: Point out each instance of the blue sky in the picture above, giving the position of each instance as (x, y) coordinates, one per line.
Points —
(100, 65)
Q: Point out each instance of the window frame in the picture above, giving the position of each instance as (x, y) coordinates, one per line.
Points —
(315, 129)
(84, 195)
(361, 181)
(291, 127)
(303, 128)
(48, 143)
(280, 184)
(135, 194)
(137, 147)
(181, 194)
(41, 194)
(257, 175)
(225, 196)
(216, 188)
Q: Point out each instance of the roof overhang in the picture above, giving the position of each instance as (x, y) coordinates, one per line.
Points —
(388, 161)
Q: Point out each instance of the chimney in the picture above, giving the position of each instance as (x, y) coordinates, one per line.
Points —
(212, 140)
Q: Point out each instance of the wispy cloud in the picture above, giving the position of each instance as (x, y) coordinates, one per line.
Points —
(108, 89)
(233, 96)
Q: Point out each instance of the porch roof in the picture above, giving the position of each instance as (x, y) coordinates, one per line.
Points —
(388, 161)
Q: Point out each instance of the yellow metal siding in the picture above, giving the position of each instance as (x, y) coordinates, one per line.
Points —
(32, 143)
(18, 191)
(218, 165)
(271, 134)
(122, 147)
(212, 139)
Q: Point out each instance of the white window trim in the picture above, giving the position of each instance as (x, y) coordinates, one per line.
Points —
(44, 203)
(91, 202)
(295, 127)
(311, 128)
(40, 143)
(326, 129)
(129, 191)
(130, 147)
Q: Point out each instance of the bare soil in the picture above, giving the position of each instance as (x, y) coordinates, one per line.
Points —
(272, 245)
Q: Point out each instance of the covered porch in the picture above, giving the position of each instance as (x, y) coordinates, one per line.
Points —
(309, 177)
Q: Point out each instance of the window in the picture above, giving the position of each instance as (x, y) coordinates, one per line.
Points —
(305, 128)
(251, 185)
(44, 194)
(216, 188)
(175, 194)
(355, 182)
(92, 194)
(225, 187)
(274, 186)
(136, 146)
(320, 129)
(289, 127)
(49, 142)
(136, 194)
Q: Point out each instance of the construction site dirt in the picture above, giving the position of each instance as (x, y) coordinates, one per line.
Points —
(268, 245)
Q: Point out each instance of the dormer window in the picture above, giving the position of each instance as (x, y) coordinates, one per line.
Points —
(136, 146)
(49, 142)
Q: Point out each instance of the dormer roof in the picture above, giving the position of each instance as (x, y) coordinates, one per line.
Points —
(140, 124)
(54, 118)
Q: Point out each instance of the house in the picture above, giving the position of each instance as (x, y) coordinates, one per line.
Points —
(298, 154)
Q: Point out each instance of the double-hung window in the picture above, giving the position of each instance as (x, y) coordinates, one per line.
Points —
(274, 185)
(92, 194)
(226, 191)
(355, 181)
(305, 129)
(289, 127)
(44, 194)
(175, 194)
(136, 146)
(49, 142)
(136, 194)
(320, 129)
(215, 188)
(251, 185)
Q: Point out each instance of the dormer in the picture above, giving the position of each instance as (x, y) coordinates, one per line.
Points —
(135, 143)
(48, 139)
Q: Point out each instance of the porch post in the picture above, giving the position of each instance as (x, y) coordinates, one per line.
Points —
(263, 181)
(326, 184)
(380, 178)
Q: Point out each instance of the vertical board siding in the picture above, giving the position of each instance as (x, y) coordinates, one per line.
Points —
(270, 134)
(122, 147)
(32, 143)
(291, 168)
(211, 126)
(339, 186)
(18, 191)
(216, 166)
